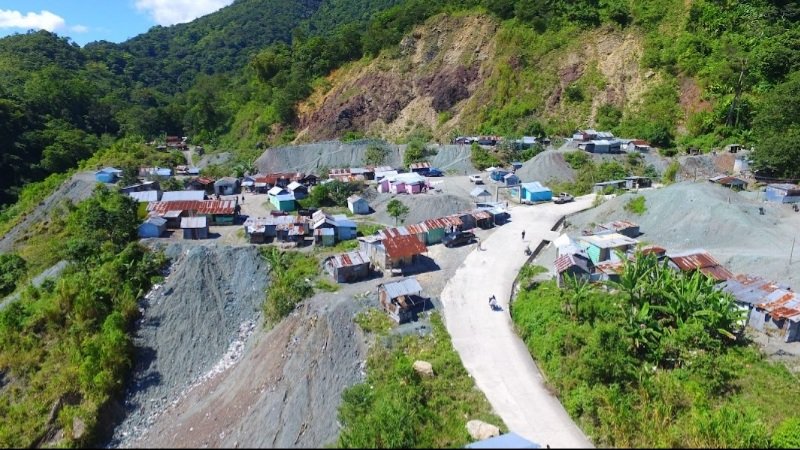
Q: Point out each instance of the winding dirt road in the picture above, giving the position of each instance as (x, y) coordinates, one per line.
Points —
(490, 349)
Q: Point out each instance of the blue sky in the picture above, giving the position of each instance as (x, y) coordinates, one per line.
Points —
(93, 20)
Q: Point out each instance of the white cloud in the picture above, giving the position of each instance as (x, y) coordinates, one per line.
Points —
(170, 12)
(44, 20)
(79, 29)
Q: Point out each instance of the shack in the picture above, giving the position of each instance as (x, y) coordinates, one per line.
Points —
(575, 265)
(535, 192)
(782, 193)
(729, 182)
(153, 227)
(699, 260)
(348, 267)
(636, 182)
(603, 247)
(300, 191)
(402, 299)
(325, 237)
(511, 179)
(194, 227)
(622, 227)
(282, 199)
(226, 186)
(357, 204)
(145, 196)
(605, 186)
(204, 184)
(107, 175)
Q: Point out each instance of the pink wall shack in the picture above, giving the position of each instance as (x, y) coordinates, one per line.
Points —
(413, 188)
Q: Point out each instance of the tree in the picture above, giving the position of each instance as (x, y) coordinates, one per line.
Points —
(777, 127)
(12, 268)
(398, 210)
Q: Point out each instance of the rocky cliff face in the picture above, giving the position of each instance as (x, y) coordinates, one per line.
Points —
(434, 69)
(453, 73)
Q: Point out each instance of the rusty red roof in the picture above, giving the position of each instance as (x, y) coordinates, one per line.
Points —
(403, 246)
(198, 206)
(653, 249)
(354, 258)
(203, 180)
(420, 165)
(782, 304)
(702, 261)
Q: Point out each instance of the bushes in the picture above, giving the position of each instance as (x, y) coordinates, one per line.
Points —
(395, 407)
(636, 205)
(12, 269)
(291, 281)
(652, 363)
(69, 339)
(671, 172)
(481, 158)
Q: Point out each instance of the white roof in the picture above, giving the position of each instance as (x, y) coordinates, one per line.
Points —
(403, 287)
(182, 195)
(294, 185)
(479, 192)
(407, 178)
(610, 240)
(155, 220)
(193, 222)
(276, 190)
(491, 169)
(145, 196)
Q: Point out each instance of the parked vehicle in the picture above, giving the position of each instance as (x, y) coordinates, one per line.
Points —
(458, 238)
(434, 172)
(563, 198)
(476, 178)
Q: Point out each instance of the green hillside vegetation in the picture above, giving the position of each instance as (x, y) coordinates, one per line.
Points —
(656, 362)
(396, 407)
(65, 348)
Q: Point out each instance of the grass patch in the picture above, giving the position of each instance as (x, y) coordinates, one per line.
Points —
(326, 285)
(636, 205)
(293, 275)
(368, 229)
(374, 320)
(29, 198)
(395, 407)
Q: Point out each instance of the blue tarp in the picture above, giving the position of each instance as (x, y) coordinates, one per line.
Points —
(508, 440)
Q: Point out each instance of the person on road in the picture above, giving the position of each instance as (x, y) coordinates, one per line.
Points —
(523, 235)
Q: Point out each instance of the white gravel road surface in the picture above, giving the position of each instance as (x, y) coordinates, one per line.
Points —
(490, 349)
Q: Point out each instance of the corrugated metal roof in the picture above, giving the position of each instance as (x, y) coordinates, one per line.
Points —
(171, 196)
(619, 225)
(198, 206)
(403, 287)
(348, 259)
(194, 222)
(144, 196)
(355, 198)
(610, 268)
(535, 186)
(703, 261)
(420, 165)
(782, 304)
(324, 231)
(479, 192)
(480, 214)
(748, 289)
(610, 240)
(403, 246)
(155, 220)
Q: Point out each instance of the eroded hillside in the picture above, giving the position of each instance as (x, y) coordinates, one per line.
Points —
(456, 73)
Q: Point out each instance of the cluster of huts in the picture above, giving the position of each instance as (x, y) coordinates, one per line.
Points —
(599, 255)
(325, 229)
(594, 141)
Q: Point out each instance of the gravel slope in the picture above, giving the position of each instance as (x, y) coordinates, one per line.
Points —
(189, 322)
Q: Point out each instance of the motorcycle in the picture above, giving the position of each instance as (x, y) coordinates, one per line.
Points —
(528, 251)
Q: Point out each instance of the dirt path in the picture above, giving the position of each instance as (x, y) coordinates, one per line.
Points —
(490, 349)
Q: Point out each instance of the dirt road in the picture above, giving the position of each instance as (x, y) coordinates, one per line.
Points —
(490, 349)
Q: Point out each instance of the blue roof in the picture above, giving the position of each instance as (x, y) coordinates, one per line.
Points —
(109, 170)
(508, 440)
(535, 187)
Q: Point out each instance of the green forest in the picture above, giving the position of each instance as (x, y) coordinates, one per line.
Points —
(232, 79)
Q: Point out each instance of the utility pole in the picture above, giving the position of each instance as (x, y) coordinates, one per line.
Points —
(791, 252)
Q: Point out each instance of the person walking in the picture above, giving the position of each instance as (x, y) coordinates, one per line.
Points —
(523, 235)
